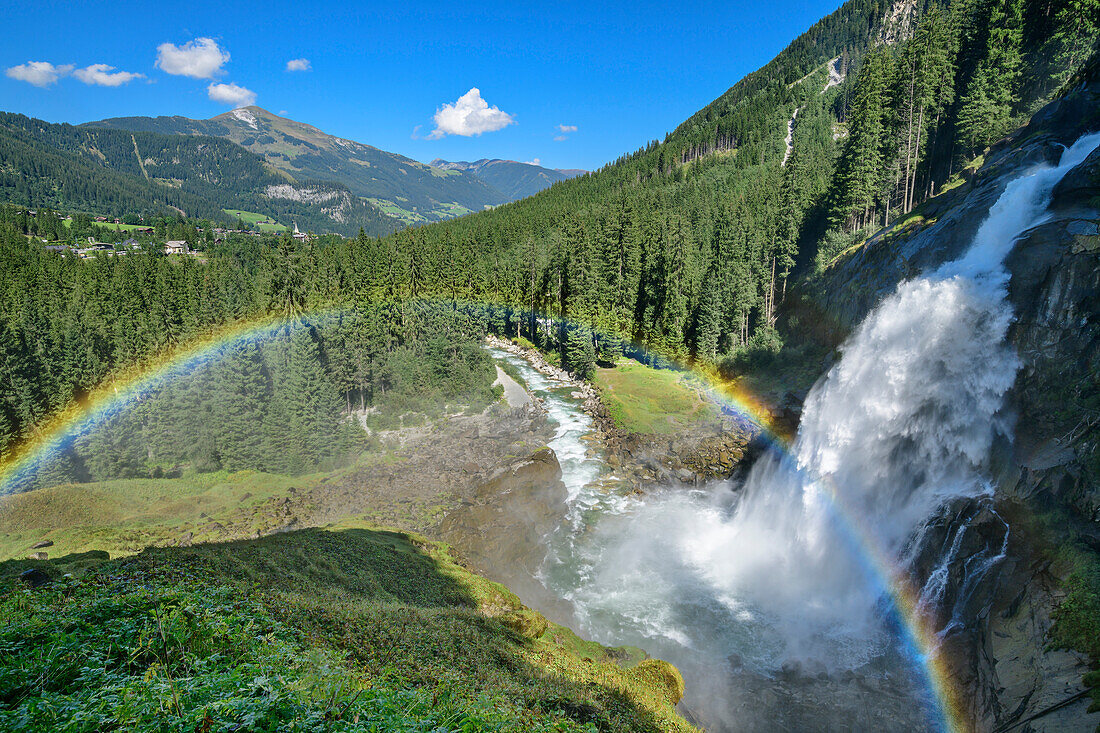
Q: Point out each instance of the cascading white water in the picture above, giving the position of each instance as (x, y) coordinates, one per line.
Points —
(903, 423)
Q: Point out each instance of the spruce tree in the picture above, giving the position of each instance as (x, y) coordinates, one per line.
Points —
(986, 109)
(580, 353)
(243, 391)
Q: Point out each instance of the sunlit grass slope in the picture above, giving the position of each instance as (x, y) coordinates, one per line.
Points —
(646, 400)
(124, 516)
(349, 629)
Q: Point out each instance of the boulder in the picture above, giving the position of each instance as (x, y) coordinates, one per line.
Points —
(35, 577)
(38, 556)
(43, 543)
(662, 677)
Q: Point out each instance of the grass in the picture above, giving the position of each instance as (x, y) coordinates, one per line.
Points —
(391, 208)
(110, 225)
(646, 400)
(125, 515)
(524, 343)
(252, 219)
(350, 629)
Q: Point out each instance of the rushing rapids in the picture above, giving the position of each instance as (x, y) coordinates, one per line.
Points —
(782, 578)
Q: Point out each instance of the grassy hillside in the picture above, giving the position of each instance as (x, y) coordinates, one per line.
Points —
(645, 400)
(124, 516)
(114, 172)
(412, 191)
(253, 219)
(348, 629)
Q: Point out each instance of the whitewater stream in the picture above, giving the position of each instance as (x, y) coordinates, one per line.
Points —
(774, 593)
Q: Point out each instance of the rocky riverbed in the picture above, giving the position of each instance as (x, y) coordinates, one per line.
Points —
(715, 450)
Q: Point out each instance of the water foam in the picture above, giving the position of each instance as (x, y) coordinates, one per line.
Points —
(899, 427)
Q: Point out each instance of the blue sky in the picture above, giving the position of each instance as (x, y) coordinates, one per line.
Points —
(398, 75)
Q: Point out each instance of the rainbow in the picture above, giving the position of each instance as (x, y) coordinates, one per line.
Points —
(125, 388)
(918, 637)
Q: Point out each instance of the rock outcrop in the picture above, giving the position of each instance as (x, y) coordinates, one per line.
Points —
(501, 526)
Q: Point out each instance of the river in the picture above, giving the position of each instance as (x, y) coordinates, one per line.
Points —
(633, 570)
(777, 598)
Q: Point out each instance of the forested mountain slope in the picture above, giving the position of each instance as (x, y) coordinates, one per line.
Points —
(114, 172)
(513, 179)
(688, 258)
(686, 245)
(402, 187)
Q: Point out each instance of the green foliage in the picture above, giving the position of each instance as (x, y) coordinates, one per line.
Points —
(1077, 617)
(833, 244)
(352, 630)
(425, 375)
(759, 354)
(580, 352)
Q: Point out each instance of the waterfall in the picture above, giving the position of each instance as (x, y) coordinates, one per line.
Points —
(898, 429)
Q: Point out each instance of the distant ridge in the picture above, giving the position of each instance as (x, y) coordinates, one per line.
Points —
(117, 172)
(403, 188)
(514, 179)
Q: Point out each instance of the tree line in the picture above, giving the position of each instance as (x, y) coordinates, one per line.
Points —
(684, 249)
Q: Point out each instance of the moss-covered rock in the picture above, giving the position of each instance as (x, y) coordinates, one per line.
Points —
(658, 674)
(525, 622)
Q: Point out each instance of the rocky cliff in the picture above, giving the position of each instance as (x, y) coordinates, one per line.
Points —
(502, 525)
(1047, 493)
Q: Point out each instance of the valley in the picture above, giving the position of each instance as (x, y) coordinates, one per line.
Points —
(786, 420)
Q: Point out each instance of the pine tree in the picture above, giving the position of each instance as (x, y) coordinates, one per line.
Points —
(709, 318)
(580, 353)
(985, 113)
(862, 164)
(243, 390)
(302, 426)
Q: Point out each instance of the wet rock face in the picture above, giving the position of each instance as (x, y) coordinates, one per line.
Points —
(502, 524)
(1081, 186)
(1056, 290)
(999, 655)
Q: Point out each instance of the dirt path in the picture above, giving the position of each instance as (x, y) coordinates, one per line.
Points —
(514, 393)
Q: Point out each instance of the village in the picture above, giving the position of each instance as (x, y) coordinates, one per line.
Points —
(91, 246)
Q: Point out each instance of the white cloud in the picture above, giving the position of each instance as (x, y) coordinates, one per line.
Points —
(231, 94)
(469, 115)
(299, 65)
(198, 59)
(536, 161)
(567, 128)
(38, 73)
(560, 138)
(105, 76)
